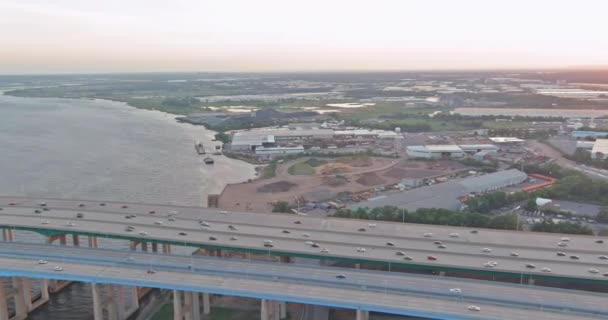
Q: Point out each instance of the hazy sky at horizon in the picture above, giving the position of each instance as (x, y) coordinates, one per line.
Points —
(57, 36)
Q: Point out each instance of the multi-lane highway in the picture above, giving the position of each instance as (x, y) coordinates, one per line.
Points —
(370, 290)
(339, 239)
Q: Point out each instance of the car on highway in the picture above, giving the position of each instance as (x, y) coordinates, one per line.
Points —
(45, 222)
(428, 235)
(599, 241)
(437, 242)
(158, 222)
(297, 222)
(102, 204)
(371, 225)
(42, 261)
(441, 246)
(224, 212)
(474, 308)
(400, 253)
(487, 250)
(171, 219)
(37, 211)
(58, 268)
(324, 250)
(474, 231)
(42, 204)
(268, 245)
(80, 215)
(360, 249)
(562, 244)
(183, 234)
(151, 271)
(315, 245)
(81, 205)
(46, 209)
(574, 257)
(432, 258)
(341, 276)
(514, 254)
(286, 231)
(70, 224)
(143, 233)
(129, 228)
(390, 244)
(233, 228)
(212, 238)
(530, 266)
(361, 229)
(306, 235)
(408, 258)
(456, 290)
(565, 239)
(204, 223)
(310, 243)
(152, 212)
(490, 264)
(124, 206)
(545, 270)
(593, 270)
(561, 254)
(454, 235)
(233, 238)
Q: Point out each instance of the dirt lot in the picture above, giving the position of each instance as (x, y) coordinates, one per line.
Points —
(354, 175)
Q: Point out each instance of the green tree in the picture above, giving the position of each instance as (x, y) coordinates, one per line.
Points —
(282, 206)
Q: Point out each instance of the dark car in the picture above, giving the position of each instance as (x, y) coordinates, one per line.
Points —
(432, 258)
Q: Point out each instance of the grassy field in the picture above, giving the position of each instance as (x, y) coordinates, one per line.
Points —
(270, 170)
(301, 169)
(217, 313)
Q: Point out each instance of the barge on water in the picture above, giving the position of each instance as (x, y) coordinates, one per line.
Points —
(198, 146)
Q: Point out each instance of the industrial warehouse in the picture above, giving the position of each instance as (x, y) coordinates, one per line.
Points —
(449, 151)
(285, 141)
(446, 195)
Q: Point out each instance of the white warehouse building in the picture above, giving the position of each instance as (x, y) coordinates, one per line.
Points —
(435, 151)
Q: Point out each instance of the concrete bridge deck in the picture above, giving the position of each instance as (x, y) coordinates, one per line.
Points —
(339, 236)
(394, 293)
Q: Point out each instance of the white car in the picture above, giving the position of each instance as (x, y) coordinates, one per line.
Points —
(224, 212)
(267, 241)
(428, 235)
(45, 222)
(58, 268)
(360, 249)
(514, 254)
(454, 235)
(204, 223)
(456, 290)
(42, 261)
(562, 244)
(545, 270)
(70, 224)
(593, 271)
(158, 222)
(487, 250)
(143, 233)
(324, 250)
(372, 225)
(310, 243)
(306, 235)
(474, 308)
(172, 213)
(565, 239)
(490, 264)
(400, 253)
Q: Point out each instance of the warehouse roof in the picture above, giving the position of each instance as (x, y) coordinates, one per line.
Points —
(445, 195)
(601, 145)
(505, 140)
(436, 148)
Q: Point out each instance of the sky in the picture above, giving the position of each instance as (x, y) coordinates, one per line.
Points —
(80, 36)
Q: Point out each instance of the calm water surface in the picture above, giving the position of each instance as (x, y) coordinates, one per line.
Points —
(97, 149)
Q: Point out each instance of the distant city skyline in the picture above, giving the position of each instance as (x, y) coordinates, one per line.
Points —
(71, 36)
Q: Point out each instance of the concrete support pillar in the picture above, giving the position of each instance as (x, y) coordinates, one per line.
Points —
(362, 315)
(26, 284)
(195, 306)
(133, 245)
(442, 273)
(135, 297)
(3, 303)
(76, 240)
(44, 290)
(19, 297)
(269, 310)
(177, 305)
(63, 239)
(285, 259)
(206, 304)
(144, 246)
(120, 303)
(8, 235)
(93, 242)
(166, 248)
(154, 247)
(97, 304)
(282, 309)
(531, 281)
(357, 266)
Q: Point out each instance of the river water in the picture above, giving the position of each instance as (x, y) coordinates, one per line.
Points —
(103, 150)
